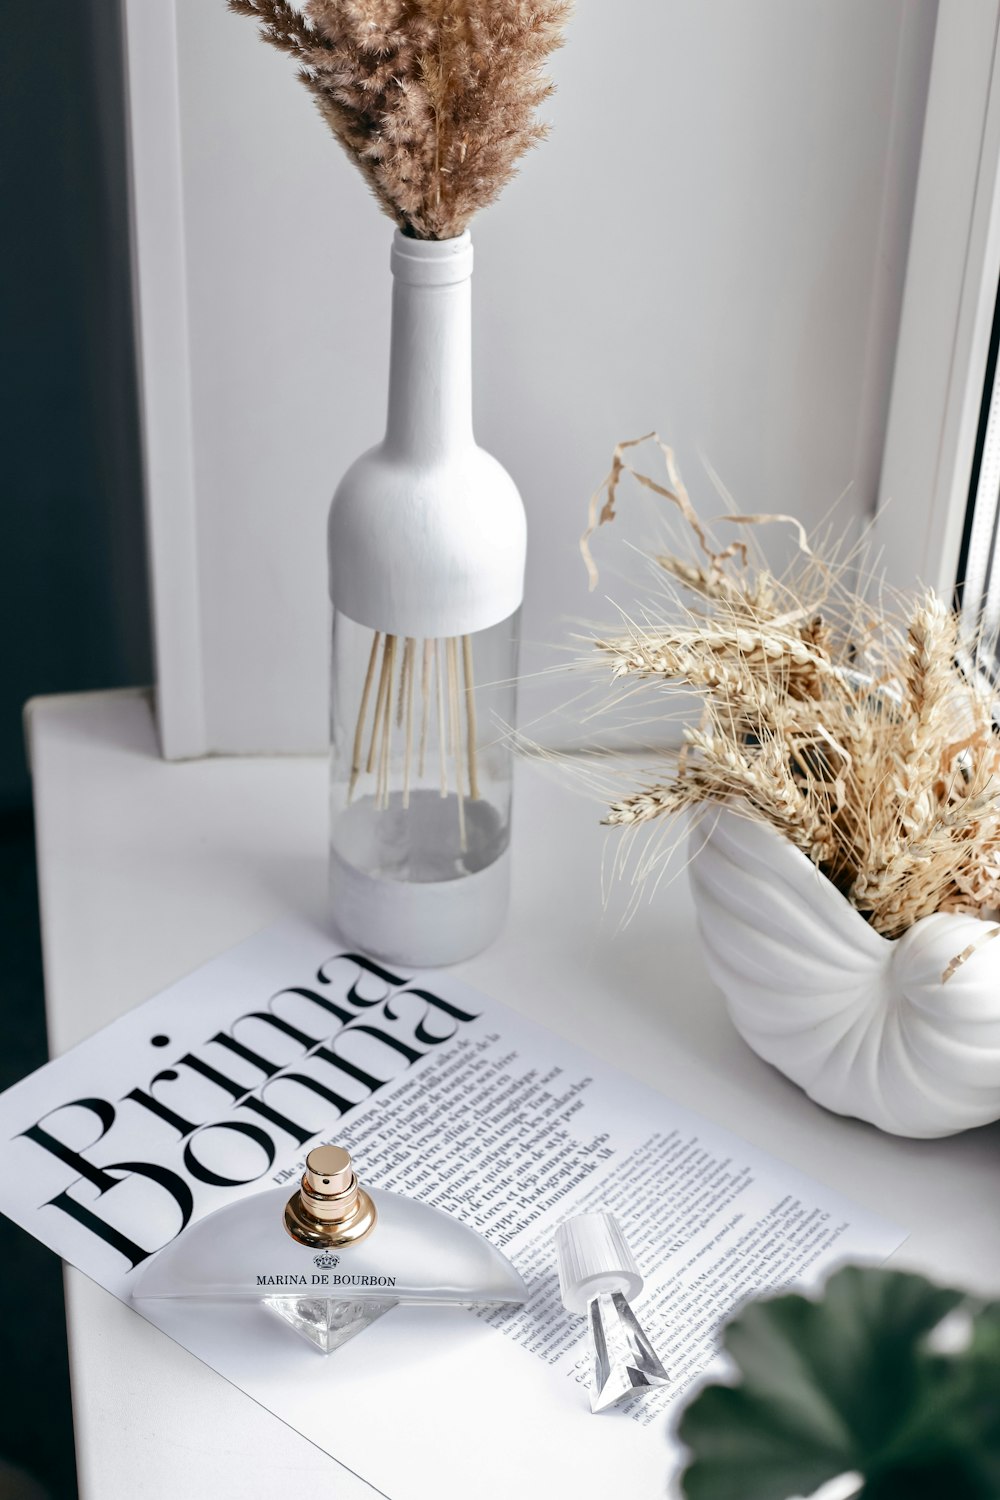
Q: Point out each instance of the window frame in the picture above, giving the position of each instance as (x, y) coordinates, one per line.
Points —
(950, 292)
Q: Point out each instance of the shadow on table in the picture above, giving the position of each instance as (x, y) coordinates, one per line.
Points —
(37, 1460)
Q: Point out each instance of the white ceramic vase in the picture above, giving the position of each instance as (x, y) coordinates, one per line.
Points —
(426, 567)
(867, 1026)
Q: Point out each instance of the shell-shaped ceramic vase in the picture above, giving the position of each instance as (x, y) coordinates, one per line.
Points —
(866, 1025)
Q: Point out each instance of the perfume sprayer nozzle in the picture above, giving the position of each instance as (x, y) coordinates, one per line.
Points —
(328, 1170)
(592, 1258)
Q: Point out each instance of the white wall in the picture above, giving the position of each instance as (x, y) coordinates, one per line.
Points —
(712, 243)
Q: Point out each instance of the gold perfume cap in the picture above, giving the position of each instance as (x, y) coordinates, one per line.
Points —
(330, 1206)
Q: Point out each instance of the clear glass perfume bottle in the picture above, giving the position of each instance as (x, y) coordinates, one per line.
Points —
(333, 1258)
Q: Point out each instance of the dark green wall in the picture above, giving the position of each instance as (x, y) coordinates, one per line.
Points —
(73, 606)
(73, 598)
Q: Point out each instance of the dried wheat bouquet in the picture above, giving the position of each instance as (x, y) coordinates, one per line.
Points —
(862, 731)
(435, 100)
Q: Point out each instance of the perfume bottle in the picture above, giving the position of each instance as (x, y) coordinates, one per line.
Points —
(333, 1258)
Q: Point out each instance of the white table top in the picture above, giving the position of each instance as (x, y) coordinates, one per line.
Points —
(147, 869)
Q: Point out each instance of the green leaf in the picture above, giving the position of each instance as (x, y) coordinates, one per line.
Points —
(850, 1383)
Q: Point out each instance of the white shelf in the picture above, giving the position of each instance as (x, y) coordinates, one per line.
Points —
(147, 869)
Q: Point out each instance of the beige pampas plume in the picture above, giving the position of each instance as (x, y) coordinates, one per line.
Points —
(435, 100)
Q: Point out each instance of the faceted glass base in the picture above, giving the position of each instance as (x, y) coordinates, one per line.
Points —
(623, 1356)
(328, 1322)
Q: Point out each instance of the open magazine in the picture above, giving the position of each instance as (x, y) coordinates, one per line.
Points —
(219, 1086)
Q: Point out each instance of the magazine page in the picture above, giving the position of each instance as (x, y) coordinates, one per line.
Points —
(218, 1088)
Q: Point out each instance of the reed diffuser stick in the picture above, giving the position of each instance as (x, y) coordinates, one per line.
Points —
(438, 670)
(359, 733)
(425, 704)
(384, 688)
(407, 679)
(470, 712)
(455, 733)
(401, 694)
(389, 659)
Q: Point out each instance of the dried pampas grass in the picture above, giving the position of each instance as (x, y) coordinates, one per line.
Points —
(862, 732)
(435, 100)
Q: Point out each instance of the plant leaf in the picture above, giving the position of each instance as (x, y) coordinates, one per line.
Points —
(847, 1384)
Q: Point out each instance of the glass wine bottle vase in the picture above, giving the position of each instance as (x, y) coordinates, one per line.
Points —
(426, 554)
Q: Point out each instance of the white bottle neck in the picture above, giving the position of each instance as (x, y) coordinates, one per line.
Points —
(430, 362)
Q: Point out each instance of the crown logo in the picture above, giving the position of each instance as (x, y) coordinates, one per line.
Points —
(326, 1261)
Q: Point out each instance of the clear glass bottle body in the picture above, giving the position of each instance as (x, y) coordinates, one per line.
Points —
(420, 788)
(414, 1254)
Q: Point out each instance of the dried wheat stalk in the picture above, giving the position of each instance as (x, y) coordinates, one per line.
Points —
(856, 731)
(434, 100)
